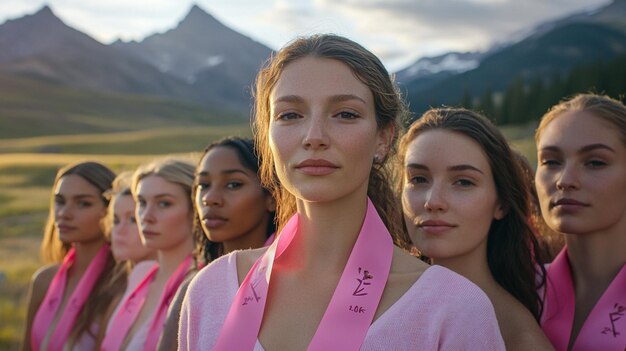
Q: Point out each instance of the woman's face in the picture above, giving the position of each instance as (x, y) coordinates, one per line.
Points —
(581, 174)
(165, 216)
(125, 239)
(322, 131)
(78, 209)
(230, 200)
(449, 196)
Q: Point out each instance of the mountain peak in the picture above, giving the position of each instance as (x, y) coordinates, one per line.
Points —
(197, 13)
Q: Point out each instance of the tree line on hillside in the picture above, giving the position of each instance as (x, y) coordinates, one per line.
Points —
(526, 100)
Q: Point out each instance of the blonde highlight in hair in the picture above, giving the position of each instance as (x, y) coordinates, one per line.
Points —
(602, 106)
(389, 106)
(53, 250)
(173, 170)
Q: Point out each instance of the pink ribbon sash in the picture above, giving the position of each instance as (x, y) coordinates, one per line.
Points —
(604, 328)
(353, 304)
(131, 306)
(54, 297)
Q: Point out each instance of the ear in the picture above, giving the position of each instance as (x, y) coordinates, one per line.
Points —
(500, 211)
(270, 203)
(385, 139)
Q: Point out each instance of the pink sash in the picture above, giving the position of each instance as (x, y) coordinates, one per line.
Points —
(131, 306)
(351, 309)
(604, 328)
(54, 297)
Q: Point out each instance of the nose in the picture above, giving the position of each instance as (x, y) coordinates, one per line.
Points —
(568, 178)
(435, 200)
(316, 136)
(212, 197)
(63, 211)
(146, 214)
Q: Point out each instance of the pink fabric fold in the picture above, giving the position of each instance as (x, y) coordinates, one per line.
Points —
(353, 304)
(54, 297)
(125, 317)
(604, 328)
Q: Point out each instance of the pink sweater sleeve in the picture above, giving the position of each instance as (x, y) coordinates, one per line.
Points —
(470, 321)
(205, 307)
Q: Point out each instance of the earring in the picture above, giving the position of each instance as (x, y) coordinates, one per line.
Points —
(376, 158)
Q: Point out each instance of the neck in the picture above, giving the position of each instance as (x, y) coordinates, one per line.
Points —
(596, 258)
(254, 239)
(85, 253)
(328, 231)
(171, 258)
(473, 266)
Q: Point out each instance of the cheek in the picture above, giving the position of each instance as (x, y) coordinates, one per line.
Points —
(411, 202)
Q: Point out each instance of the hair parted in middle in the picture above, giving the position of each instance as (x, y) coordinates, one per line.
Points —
(390, 109)
(512, 249)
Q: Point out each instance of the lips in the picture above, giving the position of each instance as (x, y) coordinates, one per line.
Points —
(149, 233)
(64, 228)
(316, 167)
(213, 221)
(568, 205)
(435, 226)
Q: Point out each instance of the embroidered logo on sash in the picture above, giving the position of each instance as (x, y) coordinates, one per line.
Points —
(617, 314)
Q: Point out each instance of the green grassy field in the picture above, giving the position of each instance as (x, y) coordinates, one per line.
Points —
(26, 176)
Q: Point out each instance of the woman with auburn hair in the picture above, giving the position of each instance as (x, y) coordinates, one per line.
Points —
(162, 192)
(326, 123)
(68, 298)
(581, 183)
(466, 206)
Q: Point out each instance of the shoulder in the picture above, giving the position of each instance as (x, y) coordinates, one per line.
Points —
(43, 276)
(519, 329)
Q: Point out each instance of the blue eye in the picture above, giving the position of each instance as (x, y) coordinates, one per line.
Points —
(549, 162)
(203, 186)
(288, 116)
(347, 115)
(418, 180)
(164, 204)
(464, 182)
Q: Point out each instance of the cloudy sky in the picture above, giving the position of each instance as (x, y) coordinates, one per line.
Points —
(398, 31)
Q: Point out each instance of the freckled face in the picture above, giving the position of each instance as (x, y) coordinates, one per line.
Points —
(581, 174)
(230, 200)
(449, 196)
(125, 239)
(78, 209)
(323, 133)
(164, 213)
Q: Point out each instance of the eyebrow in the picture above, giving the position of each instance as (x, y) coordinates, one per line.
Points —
(456, 168)
(158, 195)
(78, 197)
(334, 98)
(584, 149)
(226, 171)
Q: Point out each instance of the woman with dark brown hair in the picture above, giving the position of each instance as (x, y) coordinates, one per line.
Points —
(466, 206)
(326, 123)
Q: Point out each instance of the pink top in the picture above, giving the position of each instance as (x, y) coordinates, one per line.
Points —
(135, 277)
(441, 311)
(605, 326)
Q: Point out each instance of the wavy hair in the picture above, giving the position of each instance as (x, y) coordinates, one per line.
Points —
(512, 249)
(390, 111)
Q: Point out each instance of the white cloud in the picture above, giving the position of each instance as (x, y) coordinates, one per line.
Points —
(399, 31)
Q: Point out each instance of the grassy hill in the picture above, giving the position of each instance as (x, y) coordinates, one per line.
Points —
(35, 108)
